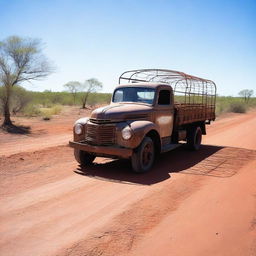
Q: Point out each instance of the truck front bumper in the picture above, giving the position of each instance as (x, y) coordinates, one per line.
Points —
(102, 150)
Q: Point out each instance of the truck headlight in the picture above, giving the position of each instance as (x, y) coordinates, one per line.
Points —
(127, 133)
(78, 129)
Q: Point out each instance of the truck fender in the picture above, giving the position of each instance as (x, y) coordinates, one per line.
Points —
(140, 128)
(82, 121)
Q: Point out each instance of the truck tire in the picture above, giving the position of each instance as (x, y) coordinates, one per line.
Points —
(194, 138)
(143, 157)
(83, 158)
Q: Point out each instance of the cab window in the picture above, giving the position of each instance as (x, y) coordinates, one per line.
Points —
(164, 97)
(134, 94)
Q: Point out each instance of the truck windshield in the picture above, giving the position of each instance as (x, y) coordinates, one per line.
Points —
(134, 94)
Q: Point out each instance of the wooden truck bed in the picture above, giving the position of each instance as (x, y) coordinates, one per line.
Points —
(189, 113)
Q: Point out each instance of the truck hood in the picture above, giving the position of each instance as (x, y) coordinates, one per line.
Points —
(120, 112)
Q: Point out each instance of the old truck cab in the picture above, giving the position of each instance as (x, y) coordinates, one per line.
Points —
(142, 121)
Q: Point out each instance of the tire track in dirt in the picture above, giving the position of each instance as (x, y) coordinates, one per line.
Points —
(56, 209)
(127, 229)
(61, 214)
(210, 222)
(26, 170)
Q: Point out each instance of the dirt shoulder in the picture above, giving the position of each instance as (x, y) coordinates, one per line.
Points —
(235, 130)
(43, 134)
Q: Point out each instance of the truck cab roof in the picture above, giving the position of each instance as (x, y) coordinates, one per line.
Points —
(144, 84)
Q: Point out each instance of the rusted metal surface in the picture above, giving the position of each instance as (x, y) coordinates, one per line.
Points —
(102, 150)
(159, 76)
(100, 134)
(195, 97)
(193, 89)
(190, 101)
(189, 113)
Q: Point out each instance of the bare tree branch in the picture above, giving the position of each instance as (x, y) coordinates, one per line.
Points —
(246, 94)
(21, 60)
(73, 87)
(90, 86)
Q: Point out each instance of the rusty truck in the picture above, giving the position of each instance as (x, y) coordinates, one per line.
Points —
(152, 111)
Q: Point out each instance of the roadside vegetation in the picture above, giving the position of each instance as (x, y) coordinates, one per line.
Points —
(49, 98)
(47, 104)
(234, 104)
(81, 91)
(21, 60)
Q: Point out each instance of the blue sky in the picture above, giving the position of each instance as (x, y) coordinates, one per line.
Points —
(211, 39)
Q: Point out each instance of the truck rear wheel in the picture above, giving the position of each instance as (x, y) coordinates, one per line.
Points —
(143, 157)
(83, 158)
(194, 138)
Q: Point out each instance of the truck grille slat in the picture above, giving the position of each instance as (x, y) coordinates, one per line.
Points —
(101, 135)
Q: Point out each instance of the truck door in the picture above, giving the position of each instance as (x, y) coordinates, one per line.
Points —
(164, 114)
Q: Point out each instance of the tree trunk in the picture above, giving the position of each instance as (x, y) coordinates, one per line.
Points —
(85, 99)
(74, 98)
(7, 115)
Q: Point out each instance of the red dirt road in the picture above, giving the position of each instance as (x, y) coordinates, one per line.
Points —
(191, 203)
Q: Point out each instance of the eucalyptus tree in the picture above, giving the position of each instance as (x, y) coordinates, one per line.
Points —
(246, 94)
(21, 60)
(73, 87)
(90, 85)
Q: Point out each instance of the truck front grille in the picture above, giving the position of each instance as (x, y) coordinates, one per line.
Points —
(101, 135)
(100, 121)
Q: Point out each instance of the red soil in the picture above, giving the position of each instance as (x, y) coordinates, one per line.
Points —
(191, 203)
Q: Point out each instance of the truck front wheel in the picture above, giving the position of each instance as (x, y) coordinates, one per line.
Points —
(83, 158)
(194, 138)
(143, 157)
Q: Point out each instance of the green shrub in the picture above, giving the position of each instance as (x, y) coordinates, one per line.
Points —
(233, 104)
(19, 99)
(238, 107)
(31, 111)
(48, 99)
(47, 113)
(56, 109)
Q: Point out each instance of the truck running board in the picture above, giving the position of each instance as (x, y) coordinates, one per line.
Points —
(170, 147)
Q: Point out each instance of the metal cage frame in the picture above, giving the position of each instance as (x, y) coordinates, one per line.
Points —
(191, 89)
